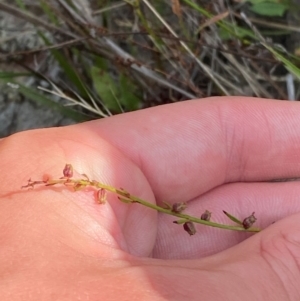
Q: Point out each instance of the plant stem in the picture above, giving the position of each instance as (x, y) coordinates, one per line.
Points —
(128, 198)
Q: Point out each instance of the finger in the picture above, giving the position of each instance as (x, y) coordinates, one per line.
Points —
(187, 148)
(264, 267)
(271, 202)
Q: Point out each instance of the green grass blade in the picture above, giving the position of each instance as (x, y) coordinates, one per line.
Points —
(10, 75)
(233, 218)
(288, 64)
(39, 98)
(48, 10)
(68, 68)
(269, 9)
(233, 30)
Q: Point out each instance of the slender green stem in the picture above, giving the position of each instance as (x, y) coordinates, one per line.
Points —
(126, 196)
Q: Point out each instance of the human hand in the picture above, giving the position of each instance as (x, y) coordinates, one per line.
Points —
(216, 154)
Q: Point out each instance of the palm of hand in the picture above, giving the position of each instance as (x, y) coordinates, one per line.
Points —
(80, 238)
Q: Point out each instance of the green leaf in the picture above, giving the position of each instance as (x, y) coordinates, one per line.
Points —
(101, 63)
(128, 99)
(269, 9)
(106, 88)
(261, 1)
(114, 92)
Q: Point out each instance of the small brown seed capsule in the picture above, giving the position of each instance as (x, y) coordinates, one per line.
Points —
(68, 171)
(206, 216)
(178, 207)
(189, 228)
(101, 196)
(249, 221)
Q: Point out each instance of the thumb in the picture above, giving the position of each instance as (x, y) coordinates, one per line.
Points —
(264, 267)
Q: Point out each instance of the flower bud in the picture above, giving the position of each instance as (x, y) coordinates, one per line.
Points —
(249, 221)
(206, 216)
(178, 207)
(68, 171)
(189, 228)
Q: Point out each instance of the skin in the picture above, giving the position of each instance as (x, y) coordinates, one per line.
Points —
(215, 154)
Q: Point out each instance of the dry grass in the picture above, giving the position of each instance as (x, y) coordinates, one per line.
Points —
(106, 57)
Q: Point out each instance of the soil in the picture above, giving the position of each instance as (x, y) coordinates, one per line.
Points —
(16, 112)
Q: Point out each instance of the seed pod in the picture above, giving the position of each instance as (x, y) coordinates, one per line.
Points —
(249, 221)
(206, 216)
(101, 196)
(189, 228)
(178, 207)
(68, 171)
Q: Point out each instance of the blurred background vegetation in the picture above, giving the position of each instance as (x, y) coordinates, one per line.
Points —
(65, 61)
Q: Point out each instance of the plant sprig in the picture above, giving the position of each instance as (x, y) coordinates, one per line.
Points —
(124, 196)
